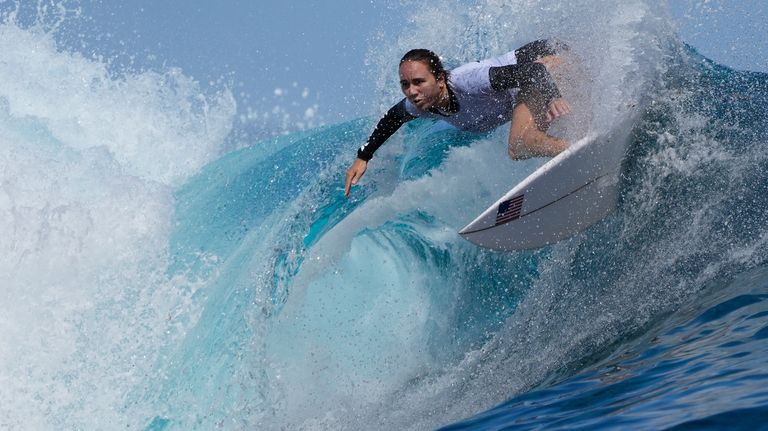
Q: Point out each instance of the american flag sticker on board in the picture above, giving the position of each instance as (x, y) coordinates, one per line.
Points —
(509, 210)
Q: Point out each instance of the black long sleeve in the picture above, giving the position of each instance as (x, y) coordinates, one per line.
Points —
(387, 126)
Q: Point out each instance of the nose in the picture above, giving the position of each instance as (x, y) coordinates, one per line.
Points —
(410, 91)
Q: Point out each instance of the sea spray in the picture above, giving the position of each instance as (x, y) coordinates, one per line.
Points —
(88, 165)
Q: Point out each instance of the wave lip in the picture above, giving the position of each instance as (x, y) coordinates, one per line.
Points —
(87, 165)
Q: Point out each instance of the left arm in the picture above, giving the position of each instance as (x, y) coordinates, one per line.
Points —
(524, 76)
(386, 127)
(528, 77)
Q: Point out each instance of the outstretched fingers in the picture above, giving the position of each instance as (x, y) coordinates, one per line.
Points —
(354, 173)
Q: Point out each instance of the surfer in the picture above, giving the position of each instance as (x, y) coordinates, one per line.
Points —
(478, 97)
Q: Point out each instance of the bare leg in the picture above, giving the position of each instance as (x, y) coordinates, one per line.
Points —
(527, 140)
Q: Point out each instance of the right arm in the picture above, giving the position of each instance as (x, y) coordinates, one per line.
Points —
(387, 126)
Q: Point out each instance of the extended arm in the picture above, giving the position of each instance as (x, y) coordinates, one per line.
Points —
(387, 126)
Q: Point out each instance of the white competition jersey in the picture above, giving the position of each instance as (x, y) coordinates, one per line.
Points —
(480, 107)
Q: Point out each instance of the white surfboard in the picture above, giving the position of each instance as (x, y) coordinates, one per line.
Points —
(571, 192)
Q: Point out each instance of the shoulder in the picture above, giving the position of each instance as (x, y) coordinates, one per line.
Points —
(501, 60)
(474, 75)
(477, 71)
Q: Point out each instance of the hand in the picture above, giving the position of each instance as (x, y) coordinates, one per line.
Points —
(354, 173)
(557, 108)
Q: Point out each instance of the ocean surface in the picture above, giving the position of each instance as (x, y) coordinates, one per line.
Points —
(157, 272)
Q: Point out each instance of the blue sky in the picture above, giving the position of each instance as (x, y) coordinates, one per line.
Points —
(302, 52)
(731, 32)
(270, 51)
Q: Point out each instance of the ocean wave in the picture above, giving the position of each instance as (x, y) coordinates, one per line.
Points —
(150, 280)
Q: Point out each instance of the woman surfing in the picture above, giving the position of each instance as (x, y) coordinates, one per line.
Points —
(478, 97)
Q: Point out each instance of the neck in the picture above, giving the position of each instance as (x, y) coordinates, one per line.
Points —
(444, 103)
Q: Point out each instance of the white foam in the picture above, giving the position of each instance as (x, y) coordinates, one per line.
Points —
(156, 125)
(87, 161)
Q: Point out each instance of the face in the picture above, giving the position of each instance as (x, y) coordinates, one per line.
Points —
(420, 86)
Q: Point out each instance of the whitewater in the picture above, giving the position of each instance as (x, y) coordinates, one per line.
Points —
(158, 272)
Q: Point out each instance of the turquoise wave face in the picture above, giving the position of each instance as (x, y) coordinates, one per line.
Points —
(320, 292)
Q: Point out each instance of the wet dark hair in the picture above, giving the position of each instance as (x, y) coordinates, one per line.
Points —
(429, 58)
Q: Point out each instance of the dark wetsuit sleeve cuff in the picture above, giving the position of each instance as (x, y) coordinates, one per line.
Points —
(526, 77)
(387, 126)
(533, 51)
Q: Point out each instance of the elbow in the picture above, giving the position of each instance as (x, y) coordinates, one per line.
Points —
(516, 148)
(514, 154)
